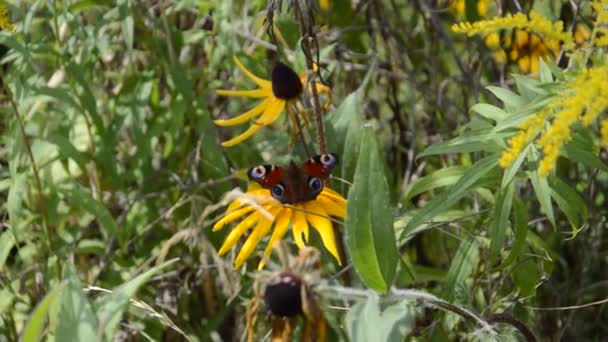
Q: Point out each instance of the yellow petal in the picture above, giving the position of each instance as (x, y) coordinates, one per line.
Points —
(273, 111)
(231, 217)
(299, 226)
(334, 196)
(332, 208)
(243, 136)
(260, 230)
(256, 93)
(322, 224)
(234, 205)
(240, 119)
(261, 82)
(238, 231)
(280, 228)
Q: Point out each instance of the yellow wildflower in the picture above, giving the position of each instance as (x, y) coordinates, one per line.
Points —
(534, 23)
(604, 133)
(263, 211)
(324, 4)
(5, 24)
(285, 86)
(601, 22)
(584, 99)
(457, 7)
(528, 131)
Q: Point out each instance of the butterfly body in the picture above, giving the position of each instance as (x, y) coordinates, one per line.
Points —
(294, 184)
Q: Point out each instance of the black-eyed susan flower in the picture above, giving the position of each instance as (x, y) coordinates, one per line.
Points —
(259, 210)
(5, 24)
(284, 86)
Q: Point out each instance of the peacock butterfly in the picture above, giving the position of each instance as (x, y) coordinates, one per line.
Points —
(293, 184)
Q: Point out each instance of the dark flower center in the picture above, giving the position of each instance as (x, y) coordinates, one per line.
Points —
(283, 296)
(286, 84)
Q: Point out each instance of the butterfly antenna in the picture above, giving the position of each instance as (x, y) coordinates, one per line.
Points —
(341, 180)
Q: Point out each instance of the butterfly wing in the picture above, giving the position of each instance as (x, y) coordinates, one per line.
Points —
(266, 175)
(320, 166)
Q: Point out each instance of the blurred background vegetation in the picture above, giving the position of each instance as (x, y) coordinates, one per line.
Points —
(110, 165)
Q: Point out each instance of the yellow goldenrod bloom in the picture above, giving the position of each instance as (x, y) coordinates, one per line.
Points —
(5, 24)
(261, 211)
(534, 23)
(583, 100)
(492, 40)
(604, 133)
(324, 4)
(457, 8)
(285, 85)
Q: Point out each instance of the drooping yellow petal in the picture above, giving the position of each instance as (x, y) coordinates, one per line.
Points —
(234, 205)
(322, 224)
(255, 93)
(260, 230)
(231, 217)
(280, 228)
(332, 208)
(240, 119)
(243, 136)
(238, 231)
(273, 111)
(334, 196)
(261, 82)
(299, 226)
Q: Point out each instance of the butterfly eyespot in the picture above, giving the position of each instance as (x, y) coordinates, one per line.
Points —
(315, 184)
(328, 159)
(277, 191)
(258, 172)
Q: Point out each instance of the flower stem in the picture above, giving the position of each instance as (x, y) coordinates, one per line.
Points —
(35, 171)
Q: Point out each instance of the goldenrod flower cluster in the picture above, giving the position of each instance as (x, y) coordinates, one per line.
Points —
(585, 98)
(5, 24)
(528, 131)
(601, 22)
(457, 8)
(604, 133)
(534, 23)
(522, 48)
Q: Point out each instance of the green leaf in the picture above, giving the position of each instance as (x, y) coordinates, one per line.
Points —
(489, 112)
(370, 236)
(75, 320)
(526, 276)
(463, 265)
(543, 194)
(112, 306)
(365, 321)
(437, 179)
(14, 202)
(545, 74)
(511, 171)
(509, 98)
(67, 150)
(81, 198)
(582, 149)
(36, 323)
(521, 231)
(473, 141)
(452, 195)
(570, 202)
(528, 87)
(7, 242)
(498, 227)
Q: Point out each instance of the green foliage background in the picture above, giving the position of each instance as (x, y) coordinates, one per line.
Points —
(110, 166)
